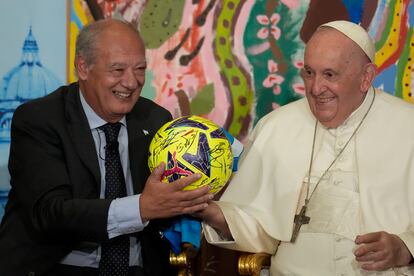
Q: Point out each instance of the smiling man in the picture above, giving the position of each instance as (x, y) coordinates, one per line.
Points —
(325, 184)
(82, 200)
(337, 76)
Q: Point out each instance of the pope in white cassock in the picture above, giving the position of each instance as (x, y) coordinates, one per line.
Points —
(326, 184)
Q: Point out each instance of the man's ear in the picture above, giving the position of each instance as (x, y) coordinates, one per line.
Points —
(370, 71)
(82, 68)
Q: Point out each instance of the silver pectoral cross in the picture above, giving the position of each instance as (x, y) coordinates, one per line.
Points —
(300, 219)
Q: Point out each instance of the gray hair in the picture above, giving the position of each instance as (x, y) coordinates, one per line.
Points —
(86, 41)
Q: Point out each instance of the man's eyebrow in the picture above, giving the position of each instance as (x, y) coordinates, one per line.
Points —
(330, 70)
(117, 64)
(123, 64)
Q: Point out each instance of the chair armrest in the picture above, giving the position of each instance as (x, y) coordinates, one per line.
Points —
(252, 264)
(184, 262)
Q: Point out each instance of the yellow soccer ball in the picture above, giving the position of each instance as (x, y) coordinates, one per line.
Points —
(189, 145)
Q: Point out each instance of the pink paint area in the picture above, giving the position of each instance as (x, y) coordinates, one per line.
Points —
(170, 75)
(258, 49)
(291, 4)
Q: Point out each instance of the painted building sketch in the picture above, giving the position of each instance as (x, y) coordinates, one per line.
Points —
(234, 61)
(28, 80)
(23, 77)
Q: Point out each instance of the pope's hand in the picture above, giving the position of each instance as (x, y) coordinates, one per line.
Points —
(381, 251)
(213, 216)
(162, 200)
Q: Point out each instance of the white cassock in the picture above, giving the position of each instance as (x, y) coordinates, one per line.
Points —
(369, 188)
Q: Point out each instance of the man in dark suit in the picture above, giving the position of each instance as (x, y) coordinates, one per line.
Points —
(58, 217)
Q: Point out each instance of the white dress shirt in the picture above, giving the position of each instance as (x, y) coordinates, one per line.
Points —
(124, 215)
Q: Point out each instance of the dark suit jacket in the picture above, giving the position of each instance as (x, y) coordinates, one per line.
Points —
(54, 203)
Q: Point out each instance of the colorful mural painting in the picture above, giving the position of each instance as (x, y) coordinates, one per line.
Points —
(235, 61)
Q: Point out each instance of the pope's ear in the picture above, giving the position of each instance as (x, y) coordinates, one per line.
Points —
(369, 74)
(82, 67)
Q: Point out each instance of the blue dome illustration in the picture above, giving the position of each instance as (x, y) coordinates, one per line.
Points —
(28, 80)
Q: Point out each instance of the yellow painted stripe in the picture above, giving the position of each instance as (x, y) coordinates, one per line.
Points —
(406, 79)
(391, 44)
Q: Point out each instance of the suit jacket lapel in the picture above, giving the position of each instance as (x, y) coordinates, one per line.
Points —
(139, 137)
(80, 132)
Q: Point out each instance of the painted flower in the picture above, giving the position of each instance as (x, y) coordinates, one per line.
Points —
(298, 64)
(269, 26)
(275, 105)
(299, 88)
(273, 79)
